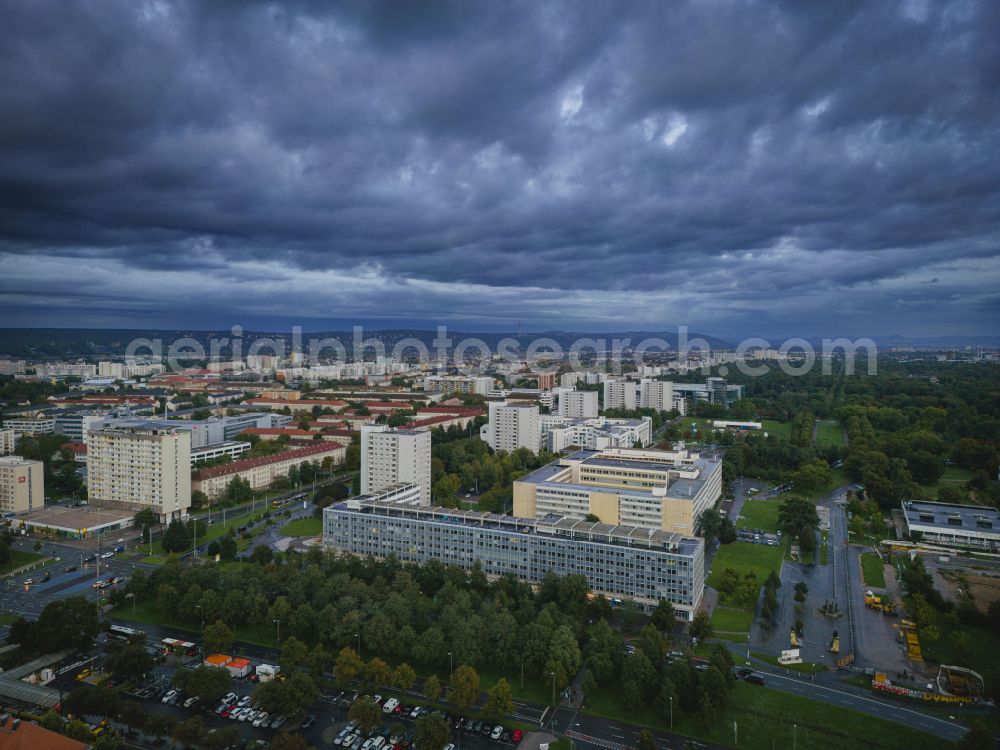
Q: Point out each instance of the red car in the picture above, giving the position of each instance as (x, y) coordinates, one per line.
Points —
(516, 736)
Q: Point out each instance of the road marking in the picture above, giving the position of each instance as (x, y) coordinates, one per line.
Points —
(595, 740)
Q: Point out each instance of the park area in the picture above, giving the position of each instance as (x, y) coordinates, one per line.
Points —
(303, 527)
(745, 558)
(759, 514)
(782, 430)
(829, 434)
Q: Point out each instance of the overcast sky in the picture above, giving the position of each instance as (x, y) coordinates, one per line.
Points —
(740, 168)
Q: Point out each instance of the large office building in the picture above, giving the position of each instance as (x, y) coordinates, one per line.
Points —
(22, 485)
(140, 466)
(655, 489)
(620, 562)
(560, 433)
(76, 424)
(967, 526)
(390, 456)
(512, 426)
(713, 390)
(30, 426)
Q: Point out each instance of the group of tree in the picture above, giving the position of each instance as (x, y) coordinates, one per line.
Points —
(70, 623)
(713, 525)
(466, 464)
(798, 519)
(414, 614)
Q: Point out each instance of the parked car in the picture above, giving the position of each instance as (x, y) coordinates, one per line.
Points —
(497, 731)
(191, 701)
(261, 719)
(277, 721)
(343, 734)
(244, 701)
(516, 736)
(308, 721)
(389, 706)
(229, 698)
(170, 694)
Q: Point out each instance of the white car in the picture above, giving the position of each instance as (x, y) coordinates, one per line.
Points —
(169, 696)
(261, 719)
(497, 732)
(377, 742)
(449, 746)
(249, 716)
(377, 699)
(228, 698)
(244, 701)
(235, 715)
(389, 706)
(107, 555)
(345, 734)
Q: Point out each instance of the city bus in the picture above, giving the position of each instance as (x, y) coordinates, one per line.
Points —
(177, 647)
(122, 633)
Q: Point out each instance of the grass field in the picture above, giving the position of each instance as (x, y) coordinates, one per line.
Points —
(765, 719)
(829, 434)
(729, 620)
(743, 558)
(759, 514)
(782, 430)
(704, 427)
(303, 527)
(21, 559)
(871, 570)
(954, 476)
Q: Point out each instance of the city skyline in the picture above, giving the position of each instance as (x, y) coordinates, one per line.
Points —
(739, 169)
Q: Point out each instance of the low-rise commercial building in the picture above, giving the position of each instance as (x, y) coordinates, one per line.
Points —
(620, 562)
(655, 489)
(30, 426)
(261, 472)
(965, 526)
(22, 485)
(560, 433)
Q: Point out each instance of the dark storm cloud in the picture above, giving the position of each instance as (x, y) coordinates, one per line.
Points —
(721, 164)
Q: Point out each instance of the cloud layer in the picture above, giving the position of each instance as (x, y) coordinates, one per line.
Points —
(738, 167)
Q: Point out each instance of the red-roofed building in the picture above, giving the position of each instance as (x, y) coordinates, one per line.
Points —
(300, 405)
(261, 472)
(19, 734)
(79, 450)
(273, 433)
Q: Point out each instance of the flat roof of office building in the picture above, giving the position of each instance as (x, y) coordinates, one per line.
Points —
(951, 517)
(74, 519)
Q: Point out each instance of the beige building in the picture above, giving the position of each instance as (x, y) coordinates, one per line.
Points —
(261, 472)
(143, 466)
(665, 490)
(22, 484)
(7, 440)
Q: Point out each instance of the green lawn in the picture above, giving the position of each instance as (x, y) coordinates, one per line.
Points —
(871, 570)
(759, 514)
(303, 527)
(839, 480)
(731, 620)
(704, 427)
(829, 434)
(743, 558)
(953, 476)
(22, 558)
(782, 430)
(765, 717)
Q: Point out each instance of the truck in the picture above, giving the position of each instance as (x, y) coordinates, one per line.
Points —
(267, 672)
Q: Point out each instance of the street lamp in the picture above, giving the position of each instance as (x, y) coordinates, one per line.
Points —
(795, 736)
(277, 621)
(671, 713)
(553, 692)
(358, 636)
(451, 665)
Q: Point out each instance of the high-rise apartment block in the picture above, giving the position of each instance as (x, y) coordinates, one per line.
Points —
(621, 393)
(8, 438)
(512, 426)
(393, 456)
(458, 384)
(22, 484)
(140, 466)
(577, 404)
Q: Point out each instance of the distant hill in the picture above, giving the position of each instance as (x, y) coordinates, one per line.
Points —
(45, 343)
